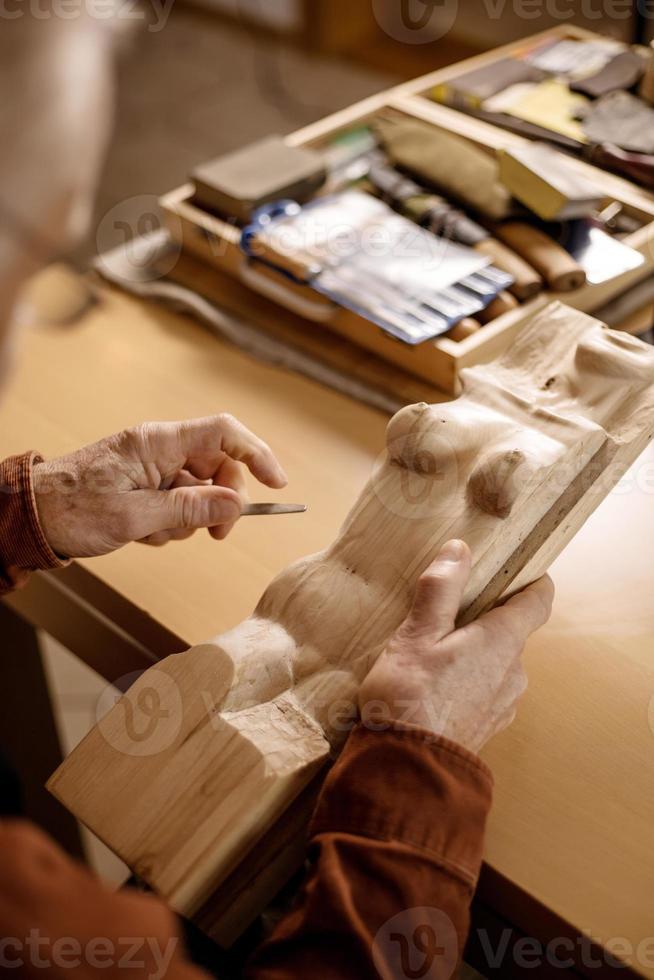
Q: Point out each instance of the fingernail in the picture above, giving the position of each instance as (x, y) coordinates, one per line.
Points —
(453, 551)
(226, 511)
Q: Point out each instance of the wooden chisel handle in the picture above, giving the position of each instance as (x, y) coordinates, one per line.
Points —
(464, 328)
(503, 303)
(560, 271)
(440, 217)
(636, 166)
(527, 281)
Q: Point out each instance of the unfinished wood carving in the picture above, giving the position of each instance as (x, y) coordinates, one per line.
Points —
(187, 773)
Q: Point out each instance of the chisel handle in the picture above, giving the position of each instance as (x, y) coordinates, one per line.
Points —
(503, 303)
(464, 328)
(635, 166)
(560, 271)
(527, 282)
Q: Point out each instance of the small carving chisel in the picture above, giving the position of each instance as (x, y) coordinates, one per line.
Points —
(253, 510)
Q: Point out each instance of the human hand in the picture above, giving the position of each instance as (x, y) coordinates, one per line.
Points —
(55, 916)
(463, 684)
(152, 483)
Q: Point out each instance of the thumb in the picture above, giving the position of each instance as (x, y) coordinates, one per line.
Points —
(439, 592)
(192, 507)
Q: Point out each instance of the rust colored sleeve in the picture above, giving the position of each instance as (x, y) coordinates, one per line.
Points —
(395, 849)
(23, 547)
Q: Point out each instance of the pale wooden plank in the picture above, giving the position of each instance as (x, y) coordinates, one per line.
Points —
(516, 465)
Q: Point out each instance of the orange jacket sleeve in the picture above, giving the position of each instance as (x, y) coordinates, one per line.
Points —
(395, 851)
(23, 547)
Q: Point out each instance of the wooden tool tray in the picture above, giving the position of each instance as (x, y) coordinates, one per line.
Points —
(424, 85)
(438, 361)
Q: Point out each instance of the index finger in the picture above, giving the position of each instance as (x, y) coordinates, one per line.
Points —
(206, 441)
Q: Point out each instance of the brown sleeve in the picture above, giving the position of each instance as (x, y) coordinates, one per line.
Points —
(395, 849)
(23, 547)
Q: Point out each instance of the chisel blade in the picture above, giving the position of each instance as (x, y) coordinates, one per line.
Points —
(255, 510)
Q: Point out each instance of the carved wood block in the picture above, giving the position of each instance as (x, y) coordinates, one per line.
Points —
(185, 777)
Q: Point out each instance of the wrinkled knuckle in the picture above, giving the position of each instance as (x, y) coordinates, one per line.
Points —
(403, 638)
(227, 421)
(402, 631)
(432, 580)
(134, 438)
(414, 629)
(184, 510)
(191, 509)
(406, 645)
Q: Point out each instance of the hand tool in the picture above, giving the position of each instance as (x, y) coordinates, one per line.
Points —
(557, 266)
(437, 215)
(261, 510)
(240, 182)
(454, 165)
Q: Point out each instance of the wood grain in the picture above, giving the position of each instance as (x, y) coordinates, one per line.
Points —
(583, 733)
(205, 751)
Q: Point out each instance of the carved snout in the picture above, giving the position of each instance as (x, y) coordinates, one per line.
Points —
(496, 480)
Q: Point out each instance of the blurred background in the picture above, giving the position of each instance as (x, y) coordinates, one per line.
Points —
(202, 77)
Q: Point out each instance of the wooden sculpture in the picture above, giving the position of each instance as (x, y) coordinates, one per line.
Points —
(185, 777)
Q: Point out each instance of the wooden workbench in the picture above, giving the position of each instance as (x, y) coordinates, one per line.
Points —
(571, 840)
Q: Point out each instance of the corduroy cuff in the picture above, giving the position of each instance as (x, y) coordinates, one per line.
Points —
(23, 545)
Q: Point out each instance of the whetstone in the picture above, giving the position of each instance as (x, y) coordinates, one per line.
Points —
(185, 777)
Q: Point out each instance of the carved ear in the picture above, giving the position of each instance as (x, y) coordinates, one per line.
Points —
(495, 482)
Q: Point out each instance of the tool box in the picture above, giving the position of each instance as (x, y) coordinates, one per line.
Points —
(439, 361)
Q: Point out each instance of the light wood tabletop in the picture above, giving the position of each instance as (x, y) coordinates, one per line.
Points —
(570, 847)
